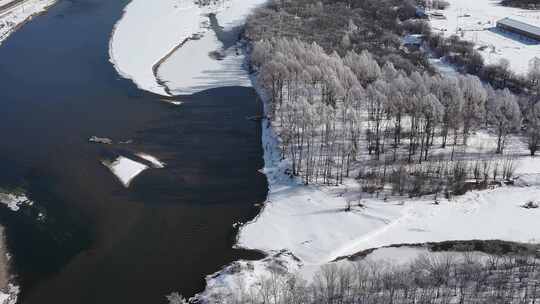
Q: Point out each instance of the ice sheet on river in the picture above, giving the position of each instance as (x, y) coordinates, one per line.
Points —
(125, 169)
(154, 40)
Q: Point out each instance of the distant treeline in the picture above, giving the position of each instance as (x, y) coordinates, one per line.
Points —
(464, 278)
(376, 26)
(527, 4)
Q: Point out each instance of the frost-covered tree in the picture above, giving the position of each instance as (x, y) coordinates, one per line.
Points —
(400, 88)
(449, 94)
(273, 74)
(533, 128)
(377, 105)
(474, 98)
(389, 72)
(432, 113)
(364, 66)
(325, 107)
(533, 74)
(504, 114)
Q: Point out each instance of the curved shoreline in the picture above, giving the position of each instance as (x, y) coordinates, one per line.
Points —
(277, 229)
(9, 291)
(152, 53)
(134, 56)
(9, 10)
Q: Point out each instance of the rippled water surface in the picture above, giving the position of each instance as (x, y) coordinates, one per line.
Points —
(100, 242)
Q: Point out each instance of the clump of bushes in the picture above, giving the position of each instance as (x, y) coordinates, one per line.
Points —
(530, 205)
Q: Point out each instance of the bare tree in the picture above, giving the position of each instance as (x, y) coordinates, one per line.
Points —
(505, 115)
(533, 128)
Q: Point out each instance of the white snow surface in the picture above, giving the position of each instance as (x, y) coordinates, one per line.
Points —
(125, 169)
(477, 20)
(14, 201)
(9, 296)
(4, 2)
(156, 163)
(310, 221)
(237, 277)
(148, 37)
(11, 18)
(192, 69)
(146, 33)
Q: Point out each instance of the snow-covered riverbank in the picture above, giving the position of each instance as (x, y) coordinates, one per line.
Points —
(15, 13)
(302, 228)
(9, 291)
(169, 48)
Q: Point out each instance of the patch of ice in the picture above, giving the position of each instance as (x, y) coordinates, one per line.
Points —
(14, 201)
(156, 163)
(125, 169)
(172, 101)
(146, 33)
(100, 140)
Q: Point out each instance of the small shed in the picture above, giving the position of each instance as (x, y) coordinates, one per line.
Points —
(519, 27)
(421, 13)
(413, 40)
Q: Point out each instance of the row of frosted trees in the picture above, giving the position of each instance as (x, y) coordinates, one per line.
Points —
(331, 110)
(443, 279)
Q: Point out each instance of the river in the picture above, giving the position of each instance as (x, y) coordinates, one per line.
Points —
(100, 242)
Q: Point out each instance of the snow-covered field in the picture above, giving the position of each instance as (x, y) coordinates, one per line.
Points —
(310, 221)
(125, 169)
(15, 16)
(476, 21)
(172, 39)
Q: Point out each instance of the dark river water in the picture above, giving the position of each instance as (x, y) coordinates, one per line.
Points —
(99, 242)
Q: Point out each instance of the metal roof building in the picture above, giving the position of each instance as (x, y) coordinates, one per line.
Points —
(519, 27)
